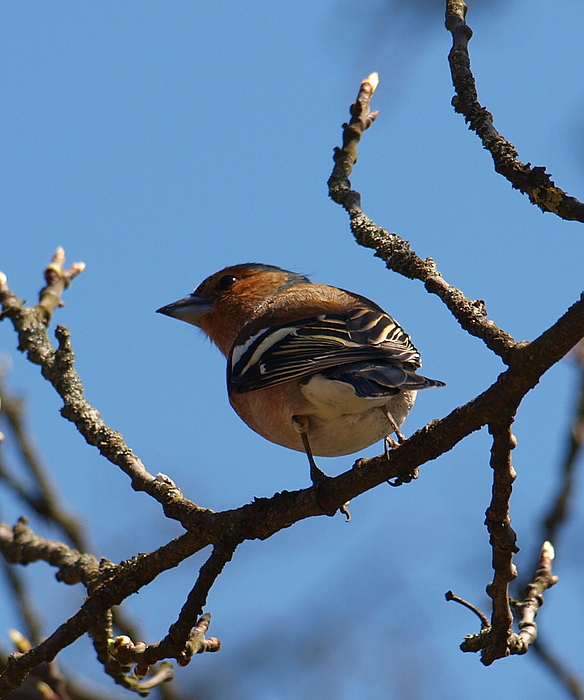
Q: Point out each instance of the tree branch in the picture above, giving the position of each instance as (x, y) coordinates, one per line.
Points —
(396, 252)
(556, 519)
(532, 181)
(532, 599)
(57, 366)
(496, 640)
(43, 497)
(110, 584)
(503, 540)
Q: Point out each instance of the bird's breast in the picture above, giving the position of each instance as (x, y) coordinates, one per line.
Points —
(339, 422)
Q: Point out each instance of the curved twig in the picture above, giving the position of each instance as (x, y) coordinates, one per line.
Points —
(532, 181)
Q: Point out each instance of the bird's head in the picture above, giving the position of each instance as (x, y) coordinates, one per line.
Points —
(226, 300)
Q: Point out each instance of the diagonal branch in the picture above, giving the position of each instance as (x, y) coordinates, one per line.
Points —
(185, 636)
(58, 367)
(532, 181)
(109, 585)
(559, 509)
(395, 251)
(43, 498)
(178, 643)
(557, 517)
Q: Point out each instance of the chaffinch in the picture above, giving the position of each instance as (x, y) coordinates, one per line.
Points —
(311, 367)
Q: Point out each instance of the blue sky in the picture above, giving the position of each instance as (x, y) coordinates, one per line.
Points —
(158, 142)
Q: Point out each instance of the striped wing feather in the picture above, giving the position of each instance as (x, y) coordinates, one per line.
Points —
(312, 345)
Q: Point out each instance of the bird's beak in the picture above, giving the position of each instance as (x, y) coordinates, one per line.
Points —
(190, 309)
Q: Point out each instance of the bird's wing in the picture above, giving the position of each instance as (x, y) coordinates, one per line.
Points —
(312, 345)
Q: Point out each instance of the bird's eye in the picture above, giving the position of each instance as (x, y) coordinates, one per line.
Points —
(226, 281)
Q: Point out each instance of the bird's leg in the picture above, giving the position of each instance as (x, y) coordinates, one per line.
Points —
(390, 443)
(301, 425)
(398, 433)
(316, 474)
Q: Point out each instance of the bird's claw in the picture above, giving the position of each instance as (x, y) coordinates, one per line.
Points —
(390, 444)
(404, 478)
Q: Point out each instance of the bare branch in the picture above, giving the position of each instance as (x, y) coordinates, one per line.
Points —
(109, 585)
(43, 499)
(558, 512)
(497, 639)
(396, 252)
(556, 519)
(485, 623)
(264, 517)
(503, 540)
(184, 638)
(532, 181)
(20, 545)
(57, 366)
(119, 669)
(532, 600)
(128, 653)
(22, 598)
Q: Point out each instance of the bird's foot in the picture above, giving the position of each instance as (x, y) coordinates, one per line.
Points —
(317, 476)
(405, 478)
(390, 444)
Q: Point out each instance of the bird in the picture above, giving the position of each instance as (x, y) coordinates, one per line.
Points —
(311, 367)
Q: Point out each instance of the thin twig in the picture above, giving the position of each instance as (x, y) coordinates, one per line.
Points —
(485, 622)
(30, 618)
(532, 181)
(179, 643)
(532, 600)
(397, 252)
(556, 519)
(57, 367)
(45, 501)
